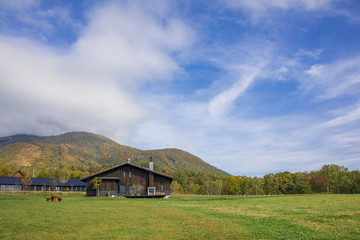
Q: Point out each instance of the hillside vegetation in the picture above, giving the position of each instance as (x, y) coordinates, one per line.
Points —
(87, 152)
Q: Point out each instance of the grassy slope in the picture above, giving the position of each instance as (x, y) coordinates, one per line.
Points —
(277, 217)
(85, 149)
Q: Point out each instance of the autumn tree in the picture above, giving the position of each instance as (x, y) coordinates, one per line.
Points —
(355, 181)
(5, 171)
(96, 185)
(283, 183)
(339, 180)
(318, 183)
(25, 183)
(269, 184)
(176, 187)
(232, 186)
(301, 183)
(54, 184)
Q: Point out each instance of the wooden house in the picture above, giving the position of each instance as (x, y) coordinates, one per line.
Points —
(129, 180)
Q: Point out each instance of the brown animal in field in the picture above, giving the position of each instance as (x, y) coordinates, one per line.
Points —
(48, 199)
(54, 198)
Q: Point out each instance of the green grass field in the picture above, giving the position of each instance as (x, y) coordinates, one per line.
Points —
(275, 217)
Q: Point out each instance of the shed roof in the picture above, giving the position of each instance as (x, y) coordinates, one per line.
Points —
(123, 164)
(43, 181)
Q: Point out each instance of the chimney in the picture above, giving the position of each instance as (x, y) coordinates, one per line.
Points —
(128, 160)
(151, 164)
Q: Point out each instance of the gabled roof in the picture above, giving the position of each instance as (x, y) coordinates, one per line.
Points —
(123, 164)
(19, 173)
(42, 182)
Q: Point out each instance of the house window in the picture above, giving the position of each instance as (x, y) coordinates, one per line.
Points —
(11, 187)
(124, 174)
(151, 190)
(130, 174)
(122, 189)
(161, 188)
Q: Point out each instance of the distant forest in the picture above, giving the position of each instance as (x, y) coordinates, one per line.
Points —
(329, 179)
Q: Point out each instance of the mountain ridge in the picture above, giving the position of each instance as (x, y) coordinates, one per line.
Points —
(88, 149)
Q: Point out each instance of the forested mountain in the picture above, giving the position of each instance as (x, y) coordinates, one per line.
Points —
(83, 150)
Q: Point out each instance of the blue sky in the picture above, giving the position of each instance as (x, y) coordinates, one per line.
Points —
(251, 87)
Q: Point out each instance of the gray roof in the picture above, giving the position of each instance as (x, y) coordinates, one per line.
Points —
(42, 182)
(123, 164)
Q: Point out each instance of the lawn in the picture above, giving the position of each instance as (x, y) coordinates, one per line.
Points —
(180, 217)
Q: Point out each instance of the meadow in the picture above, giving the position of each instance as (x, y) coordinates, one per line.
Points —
(321, 216)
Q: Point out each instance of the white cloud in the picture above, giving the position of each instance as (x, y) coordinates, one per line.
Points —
(315, 70)
(335, 79)
(259, 5)
(130, 45)
(18, 5)
(223, 101)
(92, 85)
(240, 143)
(260, 9)
(311, 54)
(243, 146)
(346, 117)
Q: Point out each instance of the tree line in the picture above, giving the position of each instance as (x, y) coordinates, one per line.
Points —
(330, 178)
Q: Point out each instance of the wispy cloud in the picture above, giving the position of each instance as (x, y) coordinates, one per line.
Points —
(259, 9)
(334, 79)
(19, 5)
(345, 117)
(223, 101)
(259, 5)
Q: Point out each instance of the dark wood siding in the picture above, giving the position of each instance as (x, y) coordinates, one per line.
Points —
(124, 177)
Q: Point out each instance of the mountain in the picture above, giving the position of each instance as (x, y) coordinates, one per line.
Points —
(88, 149)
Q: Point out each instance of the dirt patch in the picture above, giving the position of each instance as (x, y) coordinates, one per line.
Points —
(27, 154)
(243, 212)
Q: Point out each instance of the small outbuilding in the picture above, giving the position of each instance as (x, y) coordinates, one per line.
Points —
(129, 180)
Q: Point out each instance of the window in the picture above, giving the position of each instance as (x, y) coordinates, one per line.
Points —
(161, 188)
(11, 187)
(151, 190)
(124, 174)
(122, 189)
(130, 174)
